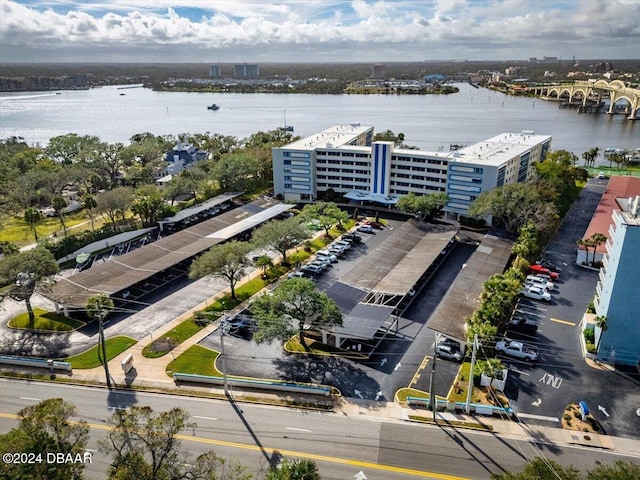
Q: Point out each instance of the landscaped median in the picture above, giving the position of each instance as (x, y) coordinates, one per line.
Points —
(89, 358)
(45, 321)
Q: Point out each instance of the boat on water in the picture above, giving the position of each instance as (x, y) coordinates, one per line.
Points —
(285, 127)
(214, 106)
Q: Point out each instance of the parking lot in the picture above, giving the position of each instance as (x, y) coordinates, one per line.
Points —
(540, 390)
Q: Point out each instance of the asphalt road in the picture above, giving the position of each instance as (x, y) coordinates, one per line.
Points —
(541, 390)
(342, 446)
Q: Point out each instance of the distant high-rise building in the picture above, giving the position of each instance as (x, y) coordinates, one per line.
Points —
(214, 71)
(377, 70)
(245, 70)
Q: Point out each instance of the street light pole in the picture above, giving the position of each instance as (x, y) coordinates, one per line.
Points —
(223, 326)
(103, 347)
(473, 364)
(432, 399)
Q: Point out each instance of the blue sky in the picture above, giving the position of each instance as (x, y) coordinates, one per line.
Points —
(316, 30)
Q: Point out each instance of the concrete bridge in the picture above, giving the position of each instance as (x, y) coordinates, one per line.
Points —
(592, 93)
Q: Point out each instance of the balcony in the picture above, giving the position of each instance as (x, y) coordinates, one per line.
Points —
(601, 275)
(608, 246)
(612, 231)
(599, 289)
(605, 261)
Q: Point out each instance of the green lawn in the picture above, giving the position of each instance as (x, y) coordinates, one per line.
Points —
(89, 358)
(15, 229)
(163, 345)
(196, 360)
(634, 171)
(45, 320)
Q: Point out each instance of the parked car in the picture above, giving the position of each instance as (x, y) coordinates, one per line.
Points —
(297, 274)
(239, 325)
(517, 349)
(536, 269)
(376, 225)
(352, 237)
(312, 269)
(522, 325)
(536, 281)
(601, 176)
(448, 352)
(543, 262)
(325, 254)
(536, 293)
(319, 263)
(342, 243)
(365, 229)
(544, 277)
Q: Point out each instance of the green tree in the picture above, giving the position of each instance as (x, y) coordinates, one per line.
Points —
(514, 205)
(227, 260)
(149, 205)
(281, 235)
(115, 202)
(540, 469)
(298, 469)
(46, 427)
(601, 323)
(59, 205)
(618, 471)
(236, 171)
(89, 203)
(70, 148)
(424, 207)
(27, 272)
(8, 248)
(596, 240)
(33, 217)
(295, 300)
(324, 214)
(264, 262)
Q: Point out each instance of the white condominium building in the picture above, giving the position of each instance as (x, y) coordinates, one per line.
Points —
(345, 159)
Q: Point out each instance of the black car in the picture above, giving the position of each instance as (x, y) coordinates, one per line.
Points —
(352, 238)
(523, 325)
(239, 325)
(543, 262)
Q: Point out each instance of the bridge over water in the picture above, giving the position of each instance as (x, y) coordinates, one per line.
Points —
(592, 93)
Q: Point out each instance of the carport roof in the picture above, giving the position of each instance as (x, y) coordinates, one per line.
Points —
(463, 296)
(122, 272)
(393, 268)
(201, 207)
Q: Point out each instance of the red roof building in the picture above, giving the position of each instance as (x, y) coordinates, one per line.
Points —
(618, 187)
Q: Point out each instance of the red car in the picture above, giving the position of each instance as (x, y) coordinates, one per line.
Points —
(535, 269)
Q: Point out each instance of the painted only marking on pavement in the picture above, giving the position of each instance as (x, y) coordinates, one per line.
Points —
(565, 322)
(538, 417)
(204, 418)
(417, 375)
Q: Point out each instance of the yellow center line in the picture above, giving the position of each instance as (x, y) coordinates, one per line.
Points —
(563, 321)
(291, 453)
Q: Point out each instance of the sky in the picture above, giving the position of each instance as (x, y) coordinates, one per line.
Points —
(233, 31)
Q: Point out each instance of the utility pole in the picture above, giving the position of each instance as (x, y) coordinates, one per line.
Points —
(432, 397)
(223, 326)
(103, 347)
(473, 365)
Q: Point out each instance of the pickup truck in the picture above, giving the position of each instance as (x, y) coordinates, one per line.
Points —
(517, 350)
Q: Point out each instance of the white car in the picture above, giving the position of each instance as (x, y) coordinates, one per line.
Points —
(535, 281)
(517, 349)
(326, 254)
(536, 293)
(543, 276)
(342, 243)
(365, 229)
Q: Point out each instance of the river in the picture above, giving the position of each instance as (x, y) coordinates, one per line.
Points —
(430, 122)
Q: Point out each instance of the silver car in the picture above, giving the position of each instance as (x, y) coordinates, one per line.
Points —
(447, 351)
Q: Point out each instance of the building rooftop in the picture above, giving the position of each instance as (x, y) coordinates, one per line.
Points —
(497, 150)
(331, 137)
(618, 187)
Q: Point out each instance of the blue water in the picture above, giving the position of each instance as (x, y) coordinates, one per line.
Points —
(430, 122)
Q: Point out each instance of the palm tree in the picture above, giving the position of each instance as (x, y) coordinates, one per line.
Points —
(586, 243)
(596, 240)
(265, 263)
(98, 307)
(601, 323)
(89, 203)
(298, 469)
(59, 204)
(33, 216)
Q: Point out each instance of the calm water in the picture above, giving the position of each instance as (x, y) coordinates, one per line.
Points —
(429, 122)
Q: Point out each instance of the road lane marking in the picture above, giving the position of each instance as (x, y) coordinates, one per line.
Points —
(537, 417)
(565, 322)
(417, 375)
(290, 453)
(204, 418)
(298, 429)
(31, 398)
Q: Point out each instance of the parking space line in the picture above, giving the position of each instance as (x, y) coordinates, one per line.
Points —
(416, 376)
(565, 322)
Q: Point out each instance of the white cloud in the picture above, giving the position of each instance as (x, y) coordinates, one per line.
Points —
(305, 29)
